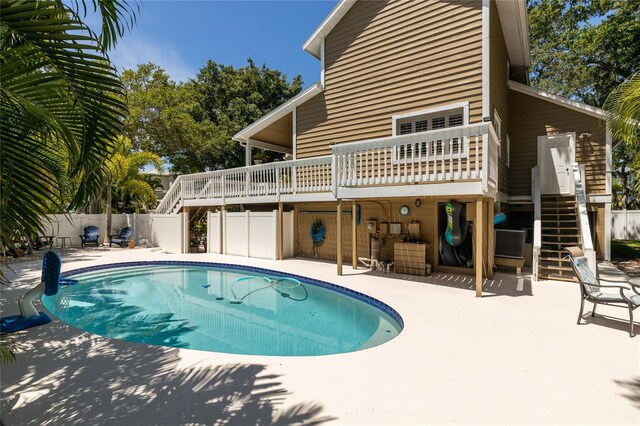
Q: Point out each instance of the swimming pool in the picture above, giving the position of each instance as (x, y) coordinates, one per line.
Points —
(222, 308)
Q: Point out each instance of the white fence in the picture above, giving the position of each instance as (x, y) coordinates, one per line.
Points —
(168, 232)
(158, 230)
(249, 234)
(625, 224)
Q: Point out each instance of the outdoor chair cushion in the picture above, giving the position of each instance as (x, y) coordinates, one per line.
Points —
(616, 298)
(123, 237)
(586, 277)
(90, 236)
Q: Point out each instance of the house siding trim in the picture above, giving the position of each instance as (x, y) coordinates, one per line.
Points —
(558, 100)
(486, 46)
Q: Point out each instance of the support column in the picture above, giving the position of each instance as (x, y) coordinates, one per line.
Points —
(339, 236)
(490, 237)
(354, 237)
(247, 153)
(280, 231)
(223, 228)
(478, 246)
(186, 231)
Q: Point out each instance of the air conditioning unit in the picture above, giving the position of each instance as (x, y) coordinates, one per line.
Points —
(510, 242)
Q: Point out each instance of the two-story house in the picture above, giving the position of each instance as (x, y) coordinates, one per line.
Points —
(420, 105)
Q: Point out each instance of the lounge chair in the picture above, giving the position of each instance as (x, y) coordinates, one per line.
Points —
(121, 239)
(90, 236)
(590, 288)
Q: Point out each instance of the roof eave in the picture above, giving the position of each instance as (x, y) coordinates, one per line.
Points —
(312, 45)
(558, 100)
(277, 113)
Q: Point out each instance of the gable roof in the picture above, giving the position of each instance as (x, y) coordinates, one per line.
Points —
(313, 44)
(513, 18)
(558, 100)
(277, 113)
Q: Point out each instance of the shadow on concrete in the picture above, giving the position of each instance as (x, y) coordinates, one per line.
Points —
(616, 323)
(633, 388)
(502, 284)
(87, 379)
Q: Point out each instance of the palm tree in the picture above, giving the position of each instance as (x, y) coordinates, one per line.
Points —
(123, 173)
(62, 105)
(623, 116)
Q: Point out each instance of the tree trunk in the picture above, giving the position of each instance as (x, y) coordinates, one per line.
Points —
(625, 189)
(107, 238)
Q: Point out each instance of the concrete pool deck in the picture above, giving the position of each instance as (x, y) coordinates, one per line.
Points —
(516, 356)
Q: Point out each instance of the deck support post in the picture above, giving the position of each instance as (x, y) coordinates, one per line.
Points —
(223, 225)
(354, 237)
(478, 246)
(339, 236)
(186, 231)
(279, 232)
(490, 238)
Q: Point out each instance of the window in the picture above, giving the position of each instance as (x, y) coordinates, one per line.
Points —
(497, 126)
(434, 119)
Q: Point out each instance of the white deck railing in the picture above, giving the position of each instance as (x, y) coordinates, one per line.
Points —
(445, 155)
(583, 217)
(438, 155)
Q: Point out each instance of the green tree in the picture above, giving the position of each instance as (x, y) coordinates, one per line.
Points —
(626, 170)
(61, 106)
(191, 124)
(162, 118)
(233, 98)
(124, 178)
(623, 112)
(583, 49)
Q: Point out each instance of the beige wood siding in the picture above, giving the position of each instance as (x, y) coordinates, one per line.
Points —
(532, 117)
(391, 57)
(498, 90)
(379, 210)
(278, 133)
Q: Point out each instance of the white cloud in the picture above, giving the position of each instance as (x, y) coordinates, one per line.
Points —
(132, 51)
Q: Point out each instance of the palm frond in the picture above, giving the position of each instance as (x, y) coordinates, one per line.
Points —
(62, 105)
(623, 116)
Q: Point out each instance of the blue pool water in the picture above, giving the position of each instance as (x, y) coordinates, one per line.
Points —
(220, 308)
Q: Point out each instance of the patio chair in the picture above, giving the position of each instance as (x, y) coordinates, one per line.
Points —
(590, 288)
(90, 236)
(121, 239)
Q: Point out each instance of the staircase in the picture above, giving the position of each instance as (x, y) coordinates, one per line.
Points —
(559, 229)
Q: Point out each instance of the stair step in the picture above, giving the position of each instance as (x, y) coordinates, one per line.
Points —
(556, 268)
(557, 277)
(564, 228)
(554, 259)
(561, 235)
(572, 221)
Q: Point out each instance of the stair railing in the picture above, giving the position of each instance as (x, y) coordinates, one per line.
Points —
(171, 198)
(583, 217)
(537, 220)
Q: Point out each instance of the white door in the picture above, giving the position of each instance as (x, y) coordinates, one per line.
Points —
(556, 153)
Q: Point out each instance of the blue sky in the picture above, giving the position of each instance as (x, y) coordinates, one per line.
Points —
(181, 36)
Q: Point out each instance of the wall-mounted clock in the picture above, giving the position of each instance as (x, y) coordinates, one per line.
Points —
(404, 210)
